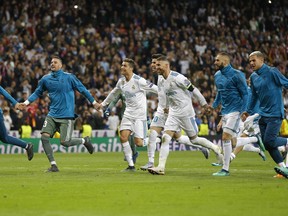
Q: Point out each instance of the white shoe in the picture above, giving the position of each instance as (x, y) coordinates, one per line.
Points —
(232, 157)
(147, 166)
(220, 159)
(156, 171)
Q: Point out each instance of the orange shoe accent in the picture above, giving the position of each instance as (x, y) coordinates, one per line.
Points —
(278, 176)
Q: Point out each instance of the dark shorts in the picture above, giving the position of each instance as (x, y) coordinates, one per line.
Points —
(64, 126)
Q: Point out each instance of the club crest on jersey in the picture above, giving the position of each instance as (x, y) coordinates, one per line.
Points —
(133, 87)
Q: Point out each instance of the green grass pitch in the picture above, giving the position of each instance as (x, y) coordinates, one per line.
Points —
(93, 185)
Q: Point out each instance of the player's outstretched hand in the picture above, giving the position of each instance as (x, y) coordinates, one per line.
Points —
(20, 106)
(107, 113)
(98, 106)
(208, 109)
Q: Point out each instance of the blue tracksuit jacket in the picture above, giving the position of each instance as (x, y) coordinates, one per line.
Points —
(232, 91)
(60, 86)
(266, 86)
(7, 96)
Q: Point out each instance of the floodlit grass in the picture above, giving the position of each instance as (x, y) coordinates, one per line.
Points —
(93, 185)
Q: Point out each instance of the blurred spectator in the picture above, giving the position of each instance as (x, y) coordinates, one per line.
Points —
(203, 127)
(94, 38)
(25, 130)
(86, 129)
(7, 119)
(113, 121)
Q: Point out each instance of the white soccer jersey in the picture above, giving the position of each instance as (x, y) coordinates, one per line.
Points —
(161, 95)
(135, 94)
(178, 97)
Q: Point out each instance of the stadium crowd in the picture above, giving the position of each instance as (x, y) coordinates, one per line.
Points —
(93, 37)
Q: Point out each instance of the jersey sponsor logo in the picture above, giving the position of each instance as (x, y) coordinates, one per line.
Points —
(171, 93)
(129, 94)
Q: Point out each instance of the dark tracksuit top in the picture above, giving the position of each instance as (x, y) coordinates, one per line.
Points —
(61, 86)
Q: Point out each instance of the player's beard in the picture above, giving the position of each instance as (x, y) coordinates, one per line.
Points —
(220, 67)
(160, 71)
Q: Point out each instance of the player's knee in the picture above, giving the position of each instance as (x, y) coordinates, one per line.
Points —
(123, 138)
(138, 142)
(166, 139)
(4, 138)
(65, 143)
(269, 142)
(44, 138)
(153, 135)
(194, 140)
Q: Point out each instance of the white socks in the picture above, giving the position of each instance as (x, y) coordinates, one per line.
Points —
(251, 148)
(128, 153)
(164, 150)
(53, 162)
(241, 141)
(185, 140)
(227, 150)
(151, 147)
(206, 143)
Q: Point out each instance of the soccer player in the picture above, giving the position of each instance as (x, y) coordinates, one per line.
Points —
(131, 137)
(4, 137)
(232, 94)
(249, 132)
(158, 122)
(181, 115)
(266, 85)
(61, 87)
(134, 119)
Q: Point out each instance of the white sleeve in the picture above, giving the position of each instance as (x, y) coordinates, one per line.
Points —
(148, 86)
(113, 94)
(199, 97)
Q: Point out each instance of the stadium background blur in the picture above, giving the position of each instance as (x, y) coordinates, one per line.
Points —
(93, 37)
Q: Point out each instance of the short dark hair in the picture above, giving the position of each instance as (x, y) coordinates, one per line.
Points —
(131, 62)
(156, 55)
(162, 58)
(224, 54)
(57, 57)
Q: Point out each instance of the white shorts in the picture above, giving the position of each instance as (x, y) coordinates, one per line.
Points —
(188, 124)
(138, 127)
(230, 123)
(159, 120)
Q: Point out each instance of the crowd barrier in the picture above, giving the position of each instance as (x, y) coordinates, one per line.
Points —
(101, 144)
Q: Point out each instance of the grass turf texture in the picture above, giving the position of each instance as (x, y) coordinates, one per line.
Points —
(93, 185)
